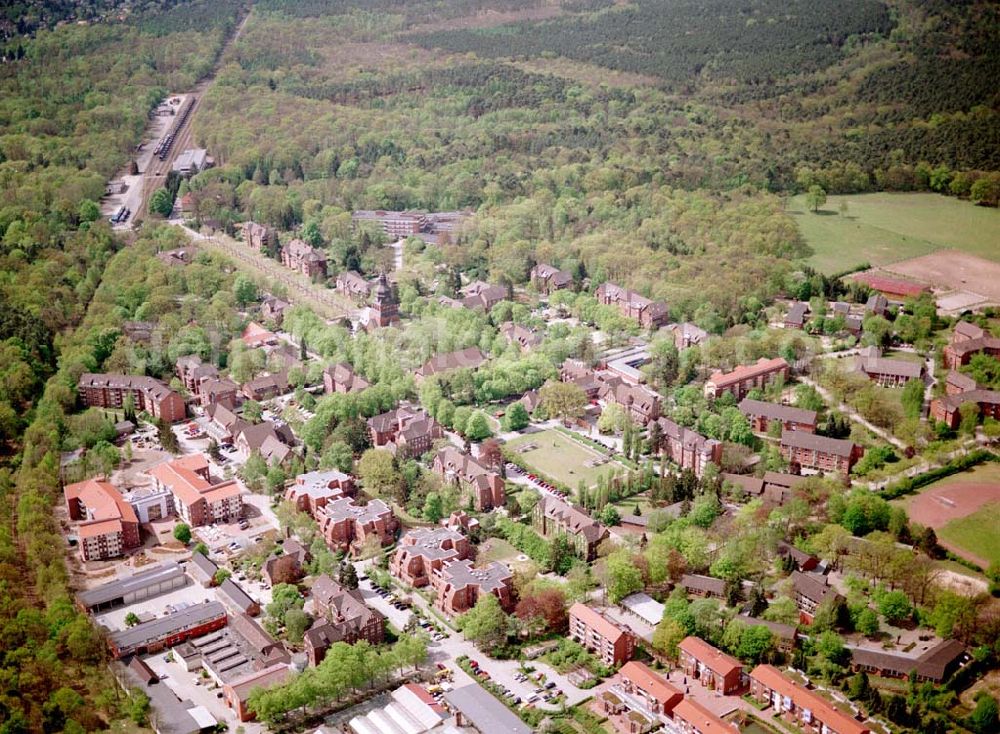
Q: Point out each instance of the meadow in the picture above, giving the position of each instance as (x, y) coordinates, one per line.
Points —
(560, 458)
(885, 228)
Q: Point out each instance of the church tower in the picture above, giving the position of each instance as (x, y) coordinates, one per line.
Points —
(384, 308)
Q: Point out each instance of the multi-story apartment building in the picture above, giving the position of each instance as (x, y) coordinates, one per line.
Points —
(641, 403)
(887, 372)
(710, 666)
(196, 500)
(810, 451)
(108, 525)
(304, 258)
(948, 409)
(799, 705)
(690, 717)
(762, 415)
(686, 448)
(968, 340)
(612, 644)
(423, 552)
(552, 517)
(458, 585)
(470, 358)
(405, 431)
(485, 487)
(312, 491)
(148, 394)
(342, 378)
(646, 312)
(548, 279)
(395, 224)
(347, 526)
(747, 377)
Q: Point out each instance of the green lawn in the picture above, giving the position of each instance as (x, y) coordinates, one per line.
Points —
(976, 532)
(561, 458)
(885, 228)
(496, 549)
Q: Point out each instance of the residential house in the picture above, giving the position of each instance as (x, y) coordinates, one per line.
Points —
(107, 524)
(342, 616)
(745, 378)
(314, 490)
(266, 387)
(640, 403)
(197, 501)
(887, 372)
(687, 335)
(523, 337)
(353, 286)
(799, 705)
(256, 336)
(877, 304)
(483, 295)
(687, 448)
(459, 586)
(785, 635)
(531, 400)
(809, 451)
(223, 390)
(799, 559)
(762, 415)
(612, 644)
(709, 665)
(270, 440)
(304, 258)
(968, 340)
(287, 567)
(796, 316)
(552, 517)
(581, 375)
(423, 552)
(948, 409)
(405, 431)
(547, 279)
(257, 236)
(273, 309)
(810, 591)
(484, 486)
(956, 383)
(342, 378)
(347, 526)
(148, 394)
(647, 313)
(468, 358)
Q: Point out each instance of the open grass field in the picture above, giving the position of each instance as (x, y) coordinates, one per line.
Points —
(560, 457)
(885, 228)
(964, 510)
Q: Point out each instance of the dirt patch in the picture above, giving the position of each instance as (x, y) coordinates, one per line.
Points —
(961, 584)
(938, 506)
(952, 270)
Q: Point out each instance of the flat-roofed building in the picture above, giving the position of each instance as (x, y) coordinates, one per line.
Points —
(146, 584)
(745, 378)
(799, 705)
(474, 706)
(612, 644)
(424, 551)
(347, 526)
(710, 666)
(171, 629)
(459, 585)
(314, 490)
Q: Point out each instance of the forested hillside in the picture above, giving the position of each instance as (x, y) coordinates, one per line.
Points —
(71, 111)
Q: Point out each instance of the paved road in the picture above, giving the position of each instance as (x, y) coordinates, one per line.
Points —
(852, 413)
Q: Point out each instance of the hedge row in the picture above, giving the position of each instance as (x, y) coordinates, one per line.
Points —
(909, 485)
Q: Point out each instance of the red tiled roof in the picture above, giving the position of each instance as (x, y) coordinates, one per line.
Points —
(597, 622)
(746, 371)
(822, 709)
(713, 658)
(650, 681)
(701, 719)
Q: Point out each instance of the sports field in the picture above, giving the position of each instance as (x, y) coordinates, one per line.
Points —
(884, 228)
(560, 458)
(964, 511)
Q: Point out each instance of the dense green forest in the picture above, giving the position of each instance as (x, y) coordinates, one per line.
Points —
(72, 109)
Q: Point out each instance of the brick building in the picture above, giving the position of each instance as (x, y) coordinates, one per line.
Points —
(196, 500)
(384, 308)
(746, 377)
(887, 372)
(809, 451)
(762, 415)
(523, 337)
(640, 403)
(304, 258)
(687, 335)
(948, 409)
(108, 525)
(483, 295)
(341, 378)
(459, 585)
(405, 431)
(710, 666)
(612, 644)
(468, 358)
(353, 286)
(422, 552)
(548, 279)
(257, 236)
(486, 487)
(148, 394)
(314, 490)
(810, 591)
(342, 616)
(171, 629)
(686, 448)
(347, 526)
(798, 705)
(552, 517)
(968, 340)
(646, 312)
